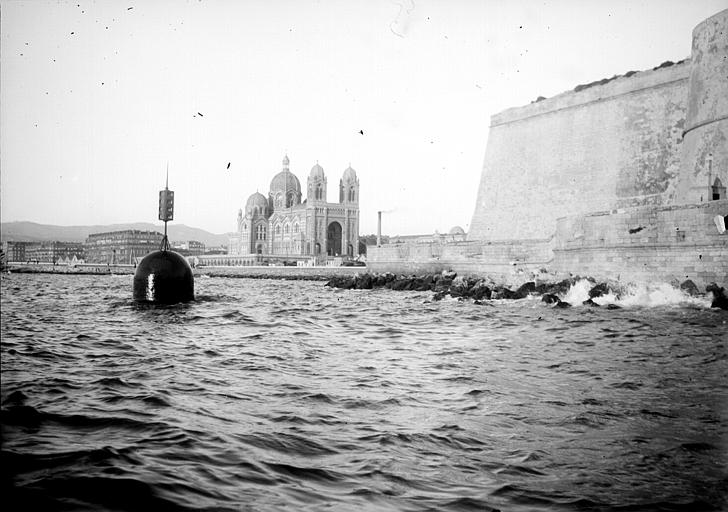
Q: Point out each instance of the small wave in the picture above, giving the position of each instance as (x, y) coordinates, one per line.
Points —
(290, 444)
(26, 415)
(114, 382)
(155, 400)
(518, 470)
(319, 397)
(96, 492)
(467, 503)
(237, 315)
(698, 446)
(626, 385)
(648, 412)
(592, 401)
(16, 397)
(304, 473)
(47, 354)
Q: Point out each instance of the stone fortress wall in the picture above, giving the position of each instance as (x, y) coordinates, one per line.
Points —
(613, 180)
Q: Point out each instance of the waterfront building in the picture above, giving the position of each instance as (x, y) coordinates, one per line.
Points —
(217, 249)
(189, 248)
(285, 226)
(43, 252)
(52, 252)
(456, 234)
(121, 246)
(16, 250)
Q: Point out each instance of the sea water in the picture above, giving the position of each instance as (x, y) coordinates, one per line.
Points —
(288, 395)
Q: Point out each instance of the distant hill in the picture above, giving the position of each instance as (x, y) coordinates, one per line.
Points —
(34, 232)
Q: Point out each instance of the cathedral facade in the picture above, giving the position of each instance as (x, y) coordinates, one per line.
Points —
(284, 225)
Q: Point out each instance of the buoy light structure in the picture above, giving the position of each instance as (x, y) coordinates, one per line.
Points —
(164, 276)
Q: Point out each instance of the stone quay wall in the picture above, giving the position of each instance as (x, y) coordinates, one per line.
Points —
(646, 244)
(511, 261)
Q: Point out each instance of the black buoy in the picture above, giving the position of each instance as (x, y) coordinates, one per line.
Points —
(164, 276)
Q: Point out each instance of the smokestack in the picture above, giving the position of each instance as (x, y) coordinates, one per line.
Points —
(379, 229)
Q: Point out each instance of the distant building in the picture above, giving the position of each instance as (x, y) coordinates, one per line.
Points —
(43, 252)
(219, 249)
(121, 246)
(456, 234)
(16, 251)
(189, 248)
(284, 226)
(52, 252)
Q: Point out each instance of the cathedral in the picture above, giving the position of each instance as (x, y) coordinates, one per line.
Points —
(287, 227)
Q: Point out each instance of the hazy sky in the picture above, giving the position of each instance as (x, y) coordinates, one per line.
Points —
(97, 97)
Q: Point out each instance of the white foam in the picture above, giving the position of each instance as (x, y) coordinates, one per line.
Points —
(636, 295)
(578, 293)
(660, 294)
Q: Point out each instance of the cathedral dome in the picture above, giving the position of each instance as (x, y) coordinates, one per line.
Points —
(285, 181)
(316, 171)
(256, 199)
(349, 174)
(457, 230)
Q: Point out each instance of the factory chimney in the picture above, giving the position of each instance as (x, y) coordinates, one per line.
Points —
(379, 229)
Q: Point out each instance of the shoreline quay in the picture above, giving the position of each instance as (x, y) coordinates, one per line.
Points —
(322, 273)
(443, 284)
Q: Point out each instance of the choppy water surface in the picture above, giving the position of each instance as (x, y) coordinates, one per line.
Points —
(286, 395)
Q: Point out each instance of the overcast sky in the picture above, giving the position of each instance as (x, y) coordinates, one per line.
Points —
(97, 97)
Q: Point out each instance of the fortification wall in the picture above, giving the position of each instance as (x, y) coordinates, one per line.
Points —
(606, 146)
(644, 151)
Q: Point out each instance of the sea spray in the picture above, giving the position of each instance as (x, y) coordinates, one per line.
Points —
(659, 294)
(579, 292)
(635, 295)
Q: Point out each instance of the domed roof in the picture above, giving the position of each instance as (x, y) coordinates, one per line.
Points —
(316, 171)
(457, 230)
(285, 181)
(256, 199)
(349, 174)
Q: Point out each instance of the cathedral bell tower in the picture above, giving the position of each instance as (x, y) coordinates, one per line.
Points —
(349, 187)
(317, 185)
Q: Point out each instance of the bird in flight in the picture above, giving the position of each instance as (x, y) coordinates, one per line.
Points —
(228, 166)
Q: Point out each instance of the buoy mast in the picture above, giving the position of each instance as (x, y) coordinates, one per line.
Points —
(166, 210)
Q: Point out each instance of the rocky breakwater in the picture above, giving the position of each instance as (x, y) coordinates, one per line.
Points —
(561, 294)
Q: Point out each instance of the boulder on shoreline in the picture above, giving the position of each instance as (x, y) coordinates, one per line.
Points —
(444, 284)
(689, 287)
(549, 298)
(720, 299)
(599, 290)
